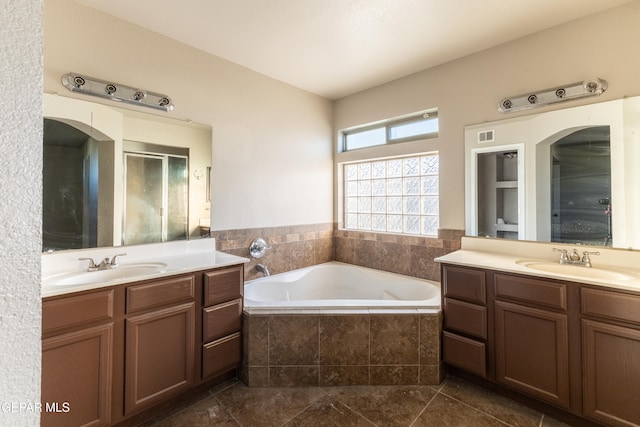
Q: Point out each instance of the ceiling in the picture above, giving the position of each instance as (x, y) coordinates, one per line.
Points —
(335, 48)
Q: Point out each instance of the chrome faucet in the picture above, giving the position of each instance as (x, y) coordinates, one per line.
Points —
(263, 269)
(105, 264)
(574, 258)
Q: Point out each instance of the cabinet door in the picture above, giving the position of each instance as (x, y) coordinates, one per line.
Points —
(532, 351)
(76, 378)
(159, 355)
(611, 373)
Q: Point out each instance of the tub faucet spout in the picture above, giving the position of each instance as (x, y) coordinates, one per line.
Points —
(263, 269)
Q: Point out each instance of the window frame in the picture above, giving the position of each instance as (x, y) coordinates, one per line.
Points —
(387, 126)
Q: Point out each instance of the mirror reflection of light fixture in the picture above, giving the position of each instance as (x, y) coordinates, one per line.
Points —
(551, 96)
(116, 92)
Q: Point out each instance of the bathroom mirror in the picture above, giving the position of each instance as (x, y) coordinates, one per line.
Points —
(115, 177)
(568, 176)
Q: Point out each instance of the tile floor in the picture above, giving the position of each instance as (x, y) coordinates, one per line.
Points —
(455, 402)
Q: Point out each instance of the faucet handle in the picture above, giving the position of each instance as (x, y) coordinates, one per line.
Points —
(563, 256)
(113, 261)
(92, 264)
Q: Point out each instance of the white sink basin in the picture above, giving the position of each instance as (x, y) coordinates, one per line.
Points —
(104, 276)
(602, 273)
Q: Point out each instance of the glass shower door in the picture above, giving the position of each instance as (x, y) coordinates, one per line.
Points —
(143, 209)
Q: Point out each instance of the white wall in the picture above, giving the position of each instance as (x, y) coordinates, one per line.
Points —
(272, 158)
(20, 210)
(467, 91)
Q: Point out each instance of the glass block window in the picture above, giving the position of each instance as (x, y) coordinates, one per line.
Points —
(396, 195)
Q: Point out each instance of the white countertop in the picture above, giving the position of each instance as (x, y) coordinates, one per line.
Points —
(495, 254)
(179, 257)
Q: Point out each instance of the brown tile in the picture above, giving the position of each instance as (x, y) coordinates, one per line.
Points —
(344, 250)
(245, 234)
(344, 340)
(491, 403)
(208, 412)
(256, 376)
(322, 250)
(328, 412)
(430, 326)
(395, 257)
(394, 339)
(278, 258)
(445, 411)
(293, 340)
(293, 376)
(385, 406)
(548, 421)
(367, 253)
(431, 374)
(255, 339)
(270, 406)
(394, 375)
(301, 254)
(344, 375)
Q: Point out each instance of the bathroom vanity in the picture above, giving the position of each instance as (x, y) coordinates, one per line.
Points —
(569, 341)
(114, 352)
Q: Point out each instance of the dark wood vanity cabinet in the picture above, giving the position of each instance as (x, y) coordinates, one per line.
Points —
(465, 319)
(611, 353)
(532, 337)
(77, 359)
(159, 347)
(574, 346)
(222, 321)
(114, 354)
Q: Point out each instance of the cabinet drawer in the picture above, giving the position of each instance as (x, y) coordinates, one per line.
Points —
(613, 305)
(465, 317)
(158, 293)
(77, 310)
(464, 353)
(464, 283)
(536, 291)
(221, 320)
(223, 285)
(222, 355)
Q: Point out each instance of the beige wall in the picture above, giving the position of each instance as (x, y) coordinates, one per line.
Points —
(272, 158)
(468, 90)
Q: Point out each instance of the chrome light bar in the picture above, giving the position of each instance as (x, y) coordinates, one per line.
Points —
(116, 92)
(551, 96)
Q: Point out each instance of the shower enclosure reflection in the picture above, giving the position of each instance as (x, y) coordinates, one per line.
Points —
(116, 177)
(156, 197)
(581, 188)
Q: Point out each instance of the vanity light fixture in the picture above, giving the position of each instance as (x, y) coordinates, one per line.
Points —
(116, 92)
(551, 96)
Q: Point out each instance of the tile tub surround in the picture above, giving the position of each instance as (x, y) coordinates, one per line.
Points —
(396, 253)
(292, 247)
(285, 350)
(298, 246)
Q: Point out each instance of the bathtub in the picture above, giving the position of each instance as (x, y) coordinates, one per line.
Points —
(339, 324)
(335, 286)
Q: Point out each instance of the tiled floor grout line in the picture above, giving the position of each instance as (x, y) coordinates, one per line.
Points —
(475, 409)
(424, 409)
(353, 410)
(228, 411)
